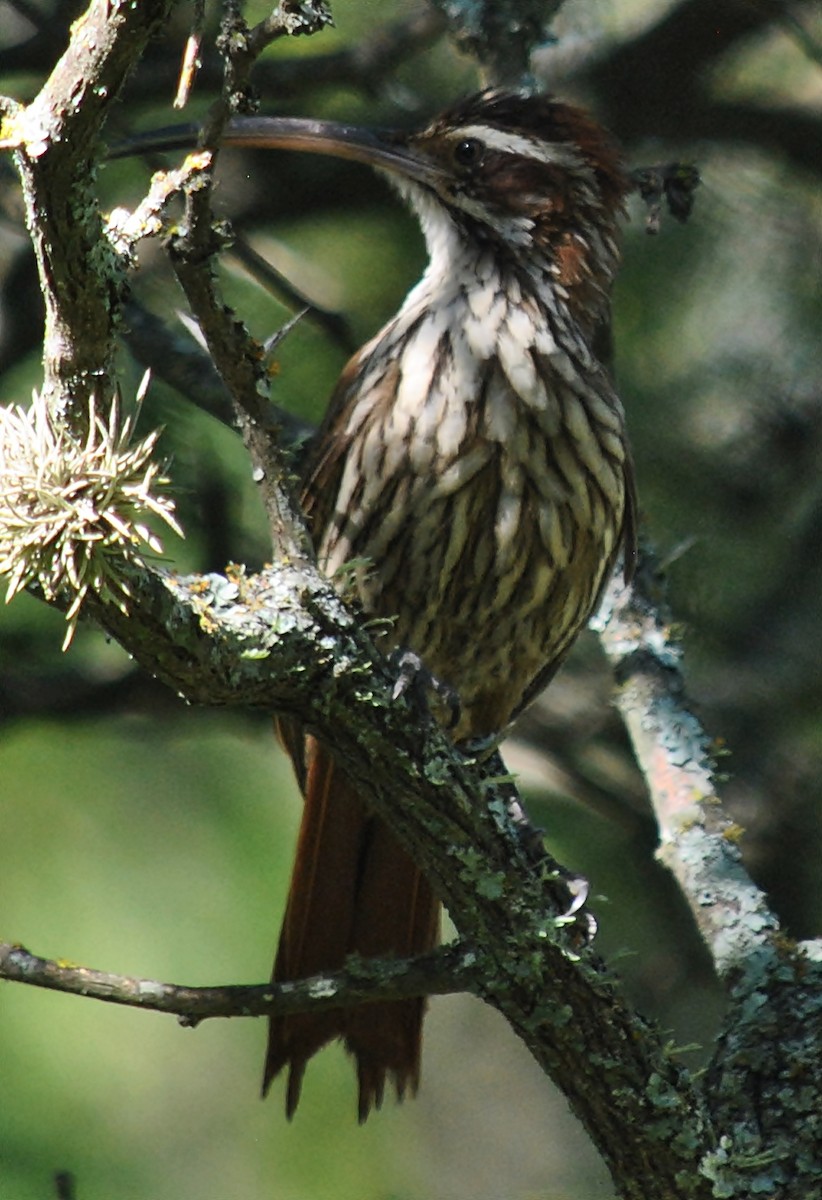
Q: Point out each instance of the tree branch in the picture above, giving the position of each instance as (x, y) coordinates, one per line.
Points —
(55, 140)
(239, 359)
(241, 364)
(179, 360)
(283, 641)
(763, 1080)
(698, 840)
(444, 972)
(501, 34)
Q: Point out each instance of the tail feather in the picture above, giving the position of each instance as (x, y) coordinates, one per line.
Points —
(353, 890)
(396, 913)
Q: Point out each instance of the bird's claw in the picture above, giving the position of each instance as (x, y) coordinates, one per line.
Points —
(579, 888)
(415, 681)
(482, 749)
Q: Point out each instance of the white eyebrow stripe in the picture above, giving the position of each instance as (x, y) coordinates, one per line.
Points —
(554, 153)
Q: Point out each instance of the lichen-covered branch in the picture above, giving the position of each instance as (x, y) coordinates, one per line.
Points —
(771, 1130)
(241, 364)
(283, 641)
(763, 1081)
(55, 142)
(698, 841)
(501, 34)
(239, 359)
(442, 973)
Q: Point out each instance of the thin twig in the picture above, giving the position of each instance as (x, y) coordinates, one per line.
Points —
(333, 323)
(182, 363)
(288, 20)
(441, 973)
(239, 359)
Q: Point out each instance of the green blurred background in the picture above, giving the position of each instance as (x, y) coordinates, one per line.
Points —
(140, 836)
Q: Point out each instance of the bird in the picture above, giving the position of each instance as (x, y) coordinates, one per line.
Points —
(473, 479)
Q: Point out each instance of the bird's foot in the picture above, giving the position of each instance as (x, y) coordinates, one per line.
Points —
(571, 890)
(484, 749)
(417, 684)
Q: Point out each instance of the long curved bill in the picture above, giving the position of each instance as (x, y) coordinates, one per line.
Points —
(385, 150)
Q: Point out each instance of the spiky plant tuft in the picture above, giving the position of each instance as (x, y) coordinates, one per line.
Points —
(74, 510)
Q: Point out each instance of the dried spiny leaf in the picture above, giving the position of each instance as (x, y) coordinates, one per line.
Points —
(73, 511)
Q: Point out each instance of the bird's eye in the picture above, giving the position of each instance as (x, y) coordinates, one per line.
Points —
(468, 152)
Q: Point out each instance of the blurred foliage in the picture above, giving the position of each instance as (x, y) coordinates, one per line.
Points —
(143, 837)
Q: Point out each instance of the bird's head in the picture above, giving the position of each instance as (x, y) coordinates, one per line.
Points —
(533, 179)
(537, 182)
(521, 168)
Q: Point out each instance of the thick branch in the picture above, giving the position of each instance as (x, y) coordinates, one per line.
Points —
(772, 1036)
(284, 641)
(763, 1082)
(56, 139)
(698, 840)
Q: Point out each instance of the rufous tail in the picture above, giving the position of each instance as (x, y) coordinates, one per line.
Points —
(353, 890)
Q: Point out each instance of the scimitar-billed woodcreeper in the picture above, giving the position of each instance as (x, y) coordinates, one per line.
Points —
(473, 465)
